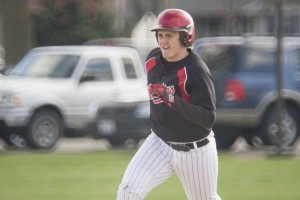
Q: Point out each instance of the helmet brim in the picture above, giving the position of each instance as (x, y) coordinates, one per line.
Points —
(169, 29)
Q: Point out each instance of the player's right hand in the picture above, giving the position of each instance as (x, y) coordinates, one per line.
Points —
(160, 91)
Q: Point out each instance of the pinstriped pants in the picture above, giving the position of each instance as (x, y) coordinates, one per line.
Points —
(155, 162)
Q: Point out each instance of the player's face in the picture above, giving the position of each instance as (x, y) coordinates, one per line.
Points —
(170, 45)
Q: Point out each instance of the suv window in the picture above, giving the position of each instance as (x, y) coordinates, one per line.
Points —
(219, 58)
(54, 66)
(222, 58)
(298, 62)
(258, 59)
(98, 69)
(129, 68)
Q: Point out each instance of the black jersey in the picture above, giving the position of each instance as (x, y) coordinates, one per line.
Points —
(193, 112)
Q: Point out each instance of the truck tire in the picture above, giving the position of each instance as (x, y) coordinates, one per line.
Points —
(129, 143)
(44, 129)
(290, 127)
(225, 137)
(14, 140)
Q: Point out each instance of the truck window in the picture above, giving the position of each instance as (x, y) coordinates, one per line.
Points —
(42, 65)
(129, 68)
(98, 69)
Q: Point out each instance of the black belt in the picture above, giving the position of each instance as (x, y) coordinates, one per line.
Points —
(188, 146)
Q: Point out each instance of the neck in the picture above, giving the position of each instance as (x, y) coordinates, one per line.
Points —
(181, 55)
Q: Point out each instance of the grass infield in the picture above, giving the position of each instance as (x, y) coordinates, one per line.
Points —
(96, 175)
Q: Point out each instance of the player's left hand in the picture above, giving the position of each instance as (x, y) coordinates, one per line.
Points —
(162, 92)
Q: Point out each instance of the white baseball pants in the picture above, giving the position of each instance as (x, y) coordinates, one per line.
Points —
(155, 162)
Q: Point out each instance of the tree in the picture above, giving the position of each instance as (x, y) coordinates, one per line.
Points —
(69, 22)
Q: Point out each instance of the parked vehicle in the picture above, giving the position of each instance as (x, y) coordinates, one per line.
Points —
(244, 71)
(57, 90)
(142, 46)
(123, 123)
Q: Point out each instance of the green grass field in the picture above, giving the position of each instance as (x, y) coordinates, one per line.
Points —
(94, 176)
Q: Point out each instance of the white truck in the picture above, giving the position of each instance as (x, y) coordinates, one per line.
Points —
(58, 89)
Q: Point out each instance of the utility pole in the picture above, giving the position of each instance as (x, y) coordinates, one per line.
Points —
(280, 102)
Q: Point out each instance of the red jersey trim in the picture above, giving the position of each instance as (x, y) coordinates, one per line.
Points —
(182, 77)
(150, 64)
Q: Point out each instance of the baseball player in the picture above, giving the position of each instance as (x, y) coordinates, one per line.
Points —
(182, 105)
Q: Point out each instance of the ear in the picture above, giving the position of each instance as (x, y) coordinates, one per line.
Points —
(184, 39)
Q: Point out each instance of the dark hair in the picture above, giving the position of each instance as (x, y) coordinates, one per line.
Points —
(183, 37)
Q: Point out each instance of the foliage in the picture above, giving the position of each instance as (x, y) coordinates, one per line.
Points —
(72, 22)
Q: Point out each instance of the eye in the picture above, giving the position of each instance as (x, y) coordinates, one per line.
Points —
(160, 36)
(170, 35)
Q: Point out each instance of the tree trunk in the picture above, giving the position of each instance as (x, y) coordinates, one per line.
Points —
(17, 38)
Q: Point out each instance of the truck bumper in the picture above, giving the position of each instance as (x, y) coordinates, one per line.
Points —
(16, 117)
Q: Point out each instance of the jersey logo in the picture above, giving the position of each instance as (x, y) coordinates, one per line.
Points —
(158, 100)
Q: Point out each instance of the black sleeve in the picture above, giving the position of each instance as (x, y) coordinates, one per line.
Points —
(202, 110)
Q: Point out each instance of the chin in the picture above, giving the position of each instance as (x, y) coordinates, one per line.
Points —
(166, 55)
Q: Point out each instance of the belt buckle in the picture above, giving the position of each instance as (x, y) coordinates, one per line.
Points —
(180, 147)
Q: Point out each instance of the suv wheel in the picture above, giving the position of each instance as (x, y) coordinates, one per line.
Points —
(44, 129)
(286, 133)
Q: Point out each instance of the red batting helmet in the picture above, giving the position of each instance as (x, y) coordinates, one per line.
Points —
(177, 20)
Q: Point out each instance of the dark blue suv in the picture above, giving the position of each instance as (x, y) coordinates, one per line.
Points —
(244, 71)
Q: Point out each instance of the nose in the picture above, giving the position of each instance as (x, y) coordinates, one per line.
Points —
(163, 40)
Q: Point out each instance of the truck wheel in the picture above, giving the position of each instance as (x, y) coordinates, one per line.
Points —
(225, 137)
(44, 129)
(225, 142)
(129, 143)
(115, 142)
(289, 127)
(14, 139)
